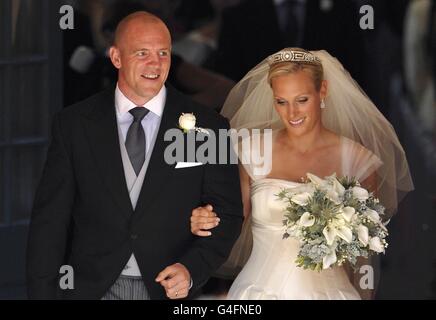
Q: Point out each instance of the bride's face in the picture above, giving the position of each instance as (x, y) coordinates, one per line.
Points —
(297, 101)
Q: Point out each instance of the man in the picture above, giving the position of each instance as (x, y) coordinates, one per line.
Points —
(110, 206)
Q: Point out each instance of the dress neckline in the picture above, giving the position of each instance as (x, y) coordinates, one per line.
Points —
(275, 179)
(342, 141)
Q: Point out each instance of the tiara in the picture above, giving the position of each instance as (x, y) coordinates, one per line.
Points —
(293, 56)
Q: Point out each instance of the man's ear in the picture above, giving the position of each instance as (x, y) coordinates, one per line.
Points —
(114, 54)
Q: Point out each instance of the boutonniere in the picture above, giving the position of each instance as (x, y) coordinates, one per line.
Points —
(187, 122)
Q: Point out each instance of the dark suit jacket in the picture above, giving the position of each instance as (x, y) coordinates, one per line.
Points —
(250, 32)
(83, 216)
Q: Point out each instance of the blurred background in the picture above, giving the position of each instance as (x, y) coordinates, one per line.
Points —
(44, 68)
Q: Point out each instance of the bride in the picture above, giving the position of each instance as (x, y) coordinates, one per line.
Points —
(322, 124)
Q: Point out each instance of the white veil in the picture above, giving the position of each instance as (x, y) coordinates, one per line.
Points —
(349, 113)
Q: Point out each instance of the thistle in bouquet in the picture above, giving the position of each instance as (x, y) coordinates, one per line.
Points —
(335, 220)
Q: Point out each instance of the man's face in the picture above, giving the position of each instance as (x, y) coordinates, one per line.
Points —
(142, 56)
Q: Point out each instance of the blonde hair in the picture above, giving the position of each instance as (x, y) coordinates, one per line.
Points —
(290, 67)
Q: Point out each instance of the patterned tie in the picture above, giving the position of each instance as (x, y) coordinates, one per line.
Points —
(135, 140)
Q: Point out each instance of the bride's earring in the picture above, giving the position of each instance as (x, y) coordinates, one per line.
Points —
(322, 104)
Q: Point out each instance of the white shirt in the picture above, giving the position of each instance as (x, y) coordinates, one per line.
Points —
(150, 123)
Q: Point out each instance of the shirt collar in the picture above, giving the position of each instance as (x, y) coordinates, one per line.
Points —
(155, 105)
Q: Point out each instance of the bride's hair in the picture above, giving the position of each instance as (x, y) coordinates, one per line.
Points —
(291, 66)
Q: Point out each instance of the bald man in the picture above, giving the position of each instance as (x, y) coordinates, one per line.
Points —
(109, 206)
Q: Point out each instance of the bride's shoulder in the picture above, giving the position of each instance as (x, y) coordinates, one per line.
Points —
(353, 148)
(357, 160)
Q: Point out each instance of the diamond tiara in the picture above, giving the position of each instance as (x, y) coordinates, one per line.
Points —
(293, 56)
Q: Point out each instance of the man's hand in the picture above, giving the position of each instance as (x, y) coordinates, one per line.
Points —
(176, 280)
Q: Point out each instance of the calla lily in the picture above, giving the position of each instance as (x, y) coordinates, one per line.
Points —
(344, 233)
(329, 259)
(307, 220)
(360, 193)
(348, 213)
(334, 190)
(372, 215)
(362, 233)
(376, 245)
(333, 196)
(338, 187)
(338, 228)
(329, 233)
(331, 177)
(301, 198)
(316, 180)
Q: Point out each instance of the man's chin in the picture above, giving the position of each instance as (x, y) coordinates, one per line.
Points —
(146, 95)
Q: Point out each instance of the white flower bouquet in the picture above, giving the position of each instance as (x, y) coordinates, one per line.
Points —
(334, 220)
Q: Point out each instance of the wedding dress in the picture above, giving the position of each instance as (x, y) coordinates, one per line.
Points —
(271, 272)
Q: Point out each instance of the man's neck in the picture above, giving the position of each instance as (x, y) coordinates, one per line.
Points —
(137, 100)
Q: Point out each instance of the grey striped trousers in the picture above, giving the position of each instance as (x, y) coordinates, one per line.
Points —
(127, 288)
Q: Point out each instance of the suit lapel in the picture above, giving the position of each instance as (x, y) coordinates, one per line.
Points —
(102, 132)
(158, 172)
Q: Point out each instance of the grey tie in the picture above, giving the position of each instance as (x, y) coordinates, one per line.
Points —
(135, 140)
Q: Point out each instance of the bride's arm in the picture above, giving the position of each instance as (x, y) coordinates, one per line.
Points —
(370, 183)
(245, 190)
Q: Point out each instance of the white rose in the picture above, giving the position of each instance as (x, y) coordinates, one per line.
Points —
(372, 215)
(376, 245)
(360, 193)
(187, 121)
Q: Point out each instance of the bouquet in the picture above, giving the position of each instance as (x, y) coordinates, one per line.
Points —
(334, 220)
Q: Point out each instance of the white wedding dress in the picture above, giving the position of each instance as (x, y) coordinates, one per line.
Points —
(270, 272)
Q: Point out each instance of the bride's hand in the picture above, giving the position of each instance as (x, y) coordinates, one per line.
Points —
(203, 218)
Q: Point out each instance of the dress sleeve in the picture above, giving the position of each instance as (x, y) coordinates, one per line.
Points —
(357, 161)
(255, 155)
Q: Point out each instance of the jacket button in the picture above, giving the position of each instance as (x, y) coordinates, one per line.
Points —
(133, 236)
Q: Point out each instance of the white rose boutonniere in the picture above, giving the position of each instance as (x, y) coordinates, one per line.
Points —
(187, 122)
